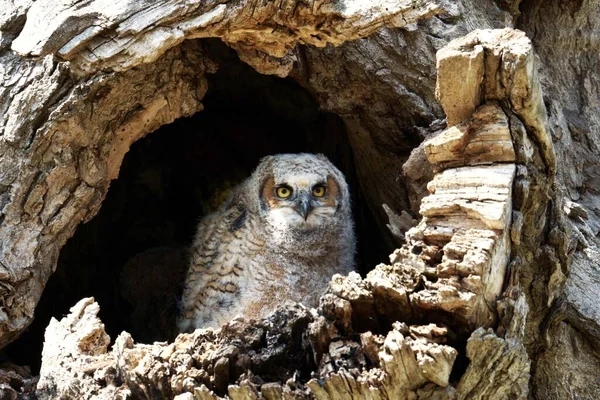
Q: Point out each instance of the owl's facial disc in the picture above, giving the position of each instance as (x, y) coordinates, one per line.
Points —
(303, 203)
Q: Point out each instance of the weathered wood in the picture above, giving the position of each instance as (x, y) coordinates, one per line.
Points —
(499, 368)
(451, 270)
(71, 107)
(483, 140)
(94, 35)
(59, 157)
(77, 363)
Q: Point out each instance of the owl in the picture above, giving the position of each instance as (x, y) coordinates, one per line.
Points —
(279, 237)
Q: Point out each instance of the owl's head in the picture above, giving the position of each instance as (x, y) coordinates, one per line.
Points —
(301, 191)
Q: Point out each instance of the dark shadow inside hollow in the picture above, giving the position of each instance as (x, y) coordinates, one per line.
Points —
(174, 176)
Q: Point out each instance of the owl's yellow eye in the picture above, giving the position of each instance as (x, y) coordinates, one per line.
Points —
(318, 191)
(283, 192)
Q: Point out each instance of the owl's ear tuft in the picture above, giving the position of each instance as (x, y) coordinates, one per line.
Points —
(265, 162)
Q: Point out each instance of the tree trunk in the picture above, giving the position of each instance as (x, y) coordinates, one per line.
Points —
(491, 294)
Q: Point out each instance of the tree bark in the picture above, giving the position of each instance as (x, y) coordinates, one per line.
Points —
(502, 268)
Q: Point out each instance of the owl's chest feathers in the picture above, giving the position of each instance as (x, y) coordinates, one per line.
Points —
(297, 268)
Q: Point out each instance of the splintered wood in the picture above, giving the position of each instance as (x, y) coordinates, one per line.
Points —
(483, 139)
(78, 364)
(467, 217)
(455, 260)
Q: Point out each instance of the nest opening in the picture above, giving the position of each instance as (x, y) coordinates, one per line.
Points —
(168, 181)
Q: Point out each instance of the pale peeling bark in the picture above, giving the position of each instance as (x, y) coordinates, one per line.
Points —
(508, 254)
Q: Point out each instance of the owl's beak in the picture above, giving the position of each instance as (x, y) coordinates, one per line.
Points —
(303, 206)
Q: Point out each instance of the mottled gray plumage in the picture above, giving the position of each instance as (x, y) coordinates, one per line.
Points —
(281, 236)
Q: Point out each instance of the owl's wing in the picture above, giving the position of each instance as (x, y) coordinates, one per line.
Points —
(223, 248)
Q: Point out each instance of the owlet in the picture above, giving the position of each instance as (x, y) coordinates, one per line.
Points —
(280, 236)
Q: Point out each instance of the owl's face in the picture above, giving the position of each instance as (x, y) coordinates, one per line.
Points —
(301, 201)
(302, 192)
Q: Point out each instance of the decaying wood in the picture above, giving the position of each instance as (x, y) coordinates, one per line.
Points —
(76, 362)
(80, 81)
(489, 355)
(570, 93)
(493, 75)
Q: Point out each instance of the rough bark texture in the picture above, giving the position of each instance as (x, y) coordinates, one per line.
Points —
(569, 345)
(505, 255)
(59, 155)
